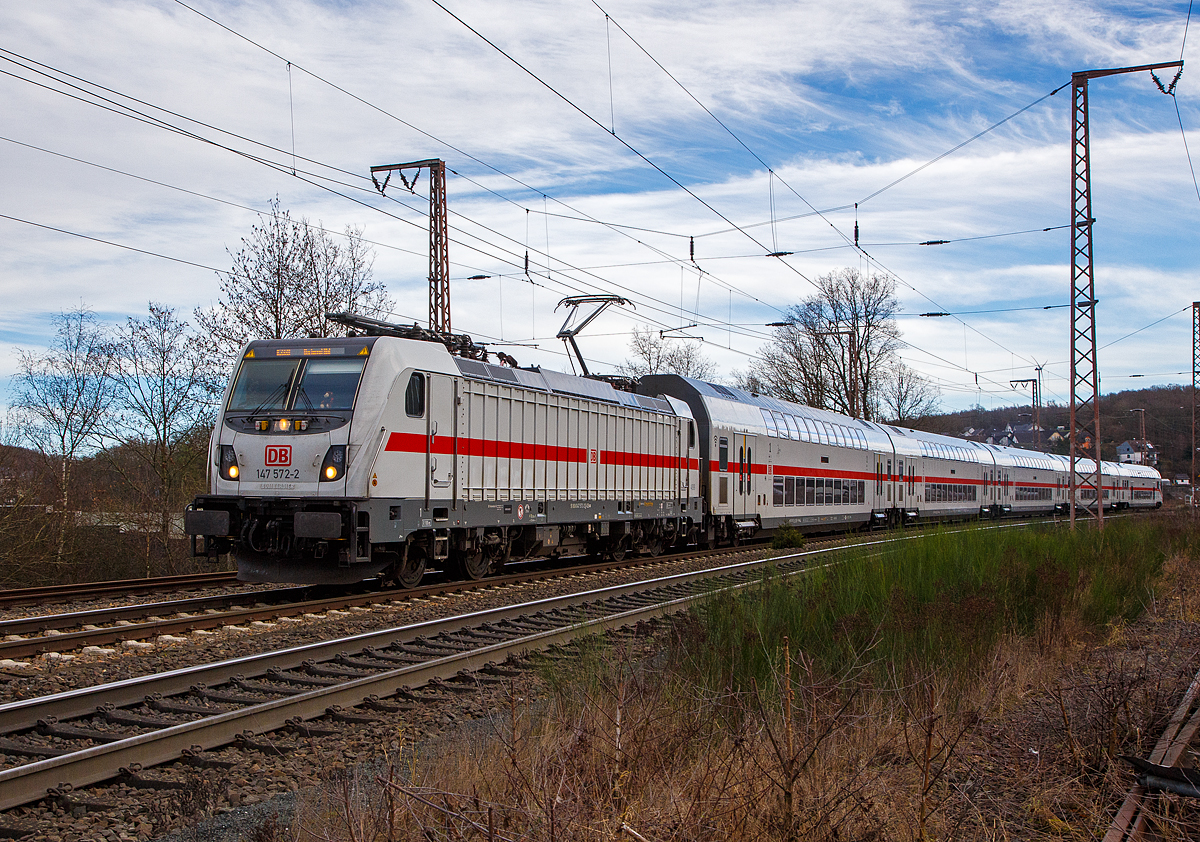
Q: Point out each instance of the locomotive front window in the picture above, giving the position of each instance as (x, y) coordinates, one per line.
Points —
(263, 385)
(303, 385)
(329, 384)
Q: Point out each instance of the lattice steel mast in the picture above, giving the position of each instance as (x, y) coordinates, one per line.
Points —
(1085, 374)
(439, 235)
(1195, 392)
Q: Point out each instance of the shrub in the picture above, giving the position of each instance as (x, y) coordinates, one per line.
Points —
(787, 537)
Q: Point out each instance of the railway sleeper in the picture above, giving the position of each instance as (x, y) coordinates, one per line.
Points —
(197, 757)
(16, 749)
(119, 716)
(332, 670)
(204, 692)
(439, 641)
(492, 668)
(245, 742)
(473, 637)
(50, 727)
(421, 699)
(128, 776)
(340, 714)
(362, 663)
(298, 726)
(162, 705)
(480, 678)
(264, 687)
(373, 702)
(424, 652)
(452, 686)
(60, 796)
(393, 656)
(276, 674)
(534, 623)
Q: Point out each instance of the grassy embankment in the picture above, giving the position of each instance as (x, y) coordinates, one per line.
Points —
(880, 696)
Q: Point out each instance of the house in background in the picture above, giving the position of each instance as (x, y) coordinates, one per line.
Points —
(1137, 452)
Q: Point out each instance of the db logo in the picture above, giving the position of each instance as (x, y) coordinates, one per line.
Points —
(594, 457)
(279, 455)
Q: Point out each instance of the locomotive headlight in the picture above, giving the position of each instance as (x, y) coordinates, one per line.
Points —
(228, 464)
(334, 465)
(284, 425)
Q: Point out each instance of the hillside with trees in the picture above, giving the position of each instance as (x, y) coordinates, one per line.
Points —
(1168, 423)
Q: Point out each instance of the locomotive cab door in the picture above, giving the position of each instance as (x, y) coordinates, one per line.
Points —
(440, 440)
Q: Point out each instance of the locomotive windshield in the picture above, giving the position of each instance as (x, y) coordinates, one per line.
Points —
(301, 385)
(329, 384)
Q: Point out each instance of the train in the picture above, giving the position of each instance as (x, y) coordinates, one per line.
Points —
(381, 455)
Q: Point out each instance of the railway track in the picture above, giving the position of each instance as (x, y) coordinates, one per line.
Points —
(1136, 818)
(119, 587)
(24, 637)
(59, 743)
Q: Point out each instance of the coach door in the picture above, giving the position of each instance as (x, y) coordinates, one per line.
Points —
(440, 419)
(745, 503)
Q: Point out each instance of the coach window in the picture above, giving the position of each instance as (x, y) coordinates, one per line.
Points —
(723, 455)
(414, 396)
(691, 435)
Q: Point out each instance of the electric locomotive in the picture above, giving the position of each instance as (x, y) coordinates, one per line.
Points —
(338, 460)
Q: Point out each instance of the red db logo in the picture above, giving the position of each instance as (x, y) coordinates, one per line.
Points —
(279, 455)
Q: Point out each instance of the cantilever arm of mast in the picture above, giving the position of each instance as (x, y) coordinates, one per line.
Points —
(1113, 71)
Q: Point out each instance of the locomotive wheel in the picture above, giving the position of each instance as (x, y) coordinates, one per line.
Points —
(617, 553)
(404, 574)
(476, 565)
(409, 573)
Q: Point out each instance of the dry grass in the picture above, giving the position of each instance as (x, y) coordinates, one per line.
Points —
(620, 742)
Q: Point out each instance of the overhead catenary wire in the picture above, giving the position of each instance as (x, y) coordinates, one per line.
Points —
(589, 117)
(409, 125)
(305, 176)
(969, 140)
(549, 262)
(772, 174)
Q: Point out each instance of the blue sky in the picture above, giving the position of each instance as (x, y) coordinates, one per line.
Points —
(838, 100)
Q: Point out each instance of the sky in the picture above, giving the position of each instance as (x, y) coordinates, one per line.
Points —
(604, 138)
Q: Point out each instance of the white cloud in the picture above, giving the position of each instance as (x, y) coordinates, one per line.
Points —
(839, 99)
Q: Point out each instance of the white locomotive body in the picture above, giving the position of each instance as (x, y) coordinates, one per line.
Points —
(336, 460)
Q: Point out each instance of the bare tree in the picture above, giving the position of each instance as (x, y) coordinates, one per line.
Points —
(165, 390)
(284, 279)
(837, 349)
(62, 398)
(908, 397)
(656, 355)
(790, 369)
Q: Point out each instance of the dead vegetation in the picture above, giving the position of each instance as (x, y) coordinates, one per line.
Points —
(622, 742)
